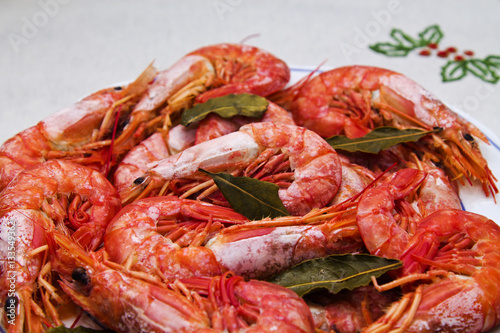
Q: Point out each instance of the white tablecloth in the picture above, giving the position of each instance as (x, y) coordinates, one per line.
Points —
(53, 52)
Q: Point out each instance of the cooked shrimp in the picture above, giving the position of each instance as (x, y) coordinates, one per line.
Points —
(448, 239)
(237, 305)
(53, 195)
(20, 268)
(386, 233)
(219, 304)
(349, 311)
(70, 194)
(63, 133)
(170, 237)
(437, 191)
(463, 294)
(261, 249)
(355, 179)
(243, 69)
(153, 234)
(259, 148)
(353, 100)
(134, 164)
(156, 147)
(208, 72)
(118, 299)
(381, 233)
(214, 126)
(173, 89)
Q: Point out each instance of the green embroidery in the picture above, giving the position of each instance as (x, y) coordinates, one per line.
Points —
(487, 69)
(404, 43)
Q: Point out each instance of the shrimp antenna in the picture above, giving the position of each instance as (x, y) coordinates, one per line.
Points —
(244, 40)
(370, 185)
(110, 154)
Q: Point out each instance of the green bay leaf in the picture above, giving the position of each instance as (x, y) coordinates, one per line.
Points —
(253, 198)
(335, 273)
(227, 106)
(378, 139)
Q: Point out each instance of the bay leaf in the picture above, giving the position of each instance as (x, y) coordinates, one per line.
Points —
(253, 198)
(227, 106)
(378, 139)
(335, 273)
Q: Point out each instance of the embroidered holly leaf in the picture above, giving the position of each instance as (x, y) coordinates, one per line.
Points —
(404, 39)
(335, 273)
(493, 63)
(453, 70)
(481, 69)
(404, 43)
(250, 197)
(378, 139)
(227, 106)
(391, 50)
(432, 34)
(487, 70)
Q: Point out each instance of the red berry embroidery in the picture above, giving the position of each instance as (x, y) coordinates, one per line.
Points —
(442, 54)
(425, 52)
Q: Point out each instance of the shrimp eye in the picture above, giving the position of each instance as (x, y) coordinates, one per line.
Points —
(439, 165)
(10, 305)
(79, 274)
(118, 88)
(468, 137)
(139, 181)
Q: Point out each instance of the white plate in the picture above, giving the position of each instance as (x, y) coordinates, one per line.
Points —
(473, 198)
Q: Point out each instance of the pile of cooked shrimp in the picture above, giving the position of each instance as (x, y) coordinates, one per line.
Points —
(110, 206)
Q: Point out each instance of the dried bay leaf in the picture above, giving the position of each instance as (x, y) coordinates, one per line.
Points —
(253, 198)
(335, 273)
(227, 106)
(378, 139)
